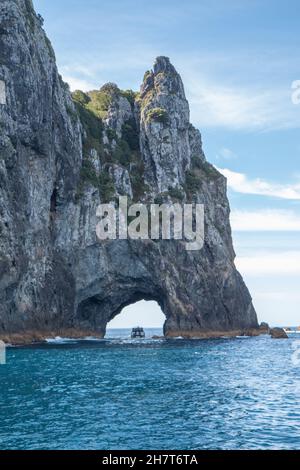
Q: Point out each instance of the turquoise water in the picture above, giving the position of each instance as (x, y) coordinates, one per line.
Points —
(176, 394)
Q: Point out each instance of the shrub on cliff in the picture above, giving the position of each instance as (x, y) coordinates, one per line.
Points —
(106, 187)
(88, 173)
(81, 97)
(176, 193)
(130, 134)
(158, 115)
(130, 95)
(204, 167)
(99, 103)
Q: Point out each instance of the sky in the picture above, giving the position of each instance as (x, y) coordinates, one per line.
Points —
(239, 61)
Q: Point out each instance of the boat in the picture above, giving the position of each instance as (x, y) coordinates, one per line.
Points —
(137, 332)
(293, 330)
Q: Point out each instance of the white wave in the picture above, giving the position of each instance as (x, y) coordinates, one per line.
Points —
(59, 340)
(133, 341)
(92, 338)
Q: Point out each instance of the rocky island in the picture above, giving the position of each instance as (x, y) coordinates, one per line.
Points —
(62, 154)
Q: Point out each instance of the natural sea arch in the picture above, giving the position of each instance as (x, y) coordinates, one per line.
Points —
(138, 309)
(196, 297)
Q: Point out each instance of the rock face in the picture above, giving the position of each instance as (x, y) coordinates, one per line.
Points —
(278, 333)
(60, 156)
(264, 328)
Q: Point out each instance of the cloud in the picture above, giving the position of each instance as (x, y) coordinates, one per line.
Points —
(275, 264)
(215, 105)
(214, 100)
(79, 84)
(240, 183)
(240, 107)
(265, 220)
(226, 154)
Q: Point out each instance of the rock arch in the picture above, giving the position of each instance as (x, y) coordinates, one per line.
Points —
(195, 299)
(54, 274)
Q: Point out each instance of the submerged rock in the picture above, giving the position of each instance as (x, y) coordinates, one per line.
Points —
(60, 156)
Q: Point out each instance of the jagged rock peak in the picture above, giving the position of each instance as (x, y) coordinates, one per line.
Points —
(168, 140)
(163, 78)
(60, 158)
(163, 64)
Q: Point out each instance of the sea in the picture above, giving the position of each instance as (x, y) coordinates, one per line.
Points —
(119, 393)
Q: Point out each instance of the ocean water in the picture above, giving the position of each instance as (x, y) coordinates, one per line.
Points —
(241, 393)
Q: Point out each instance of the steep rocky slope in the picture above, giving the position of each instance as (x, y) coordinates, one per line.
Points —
(60, 156)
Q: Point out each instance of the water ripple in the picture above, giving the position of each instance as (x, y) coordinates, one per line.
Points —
(121, 394)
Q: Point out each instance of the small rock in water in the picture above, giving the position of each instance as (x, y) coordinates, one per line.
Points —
(278, 333)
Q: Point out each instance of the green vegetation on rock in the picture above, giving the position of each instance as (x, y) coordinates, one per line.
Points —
(103, 182)
(147, 74)
(126, 150)
(106, 187)
(81, 97)
(92, 108)
(139, 187)
(88, 173)
(199, 172)
(130, 134)
(176, 193)
(122, 153)
(130, 95)
(99, 103)
(158, 115)
(205, 167)
(111, 89)
(192, 182)
(159, 199)
(91, 123)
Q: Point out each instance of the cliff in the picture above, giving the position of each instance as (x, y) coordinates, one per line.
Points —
(60, 156)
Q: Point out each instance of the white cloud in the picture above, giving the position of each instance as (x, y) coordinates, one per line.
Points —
(212, 101)
(275, 264)
(233, 107)
(240, 183)
(79, 84)
(218, 106)
(226, 154)
(265, 220)
(78, 69)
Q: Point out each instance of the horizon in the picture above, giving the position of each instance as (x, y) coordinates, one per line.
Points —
(238, 69)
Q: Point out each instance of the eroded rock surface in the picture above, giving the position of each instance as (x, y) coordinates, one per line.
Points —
(60, 156)
(278, 333)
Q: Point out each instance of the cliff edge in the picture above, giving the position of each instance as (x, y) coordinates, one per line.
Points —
(61, 155)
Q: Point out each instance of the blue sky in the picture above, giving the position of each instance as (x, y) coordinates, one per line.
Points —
(238, 60)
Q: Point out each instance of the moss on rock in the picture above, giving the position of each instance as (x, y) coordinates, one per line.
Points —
(157, 115)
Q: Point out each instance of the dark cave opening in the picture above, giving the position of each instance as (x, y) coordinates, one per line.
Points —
(53, 201)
